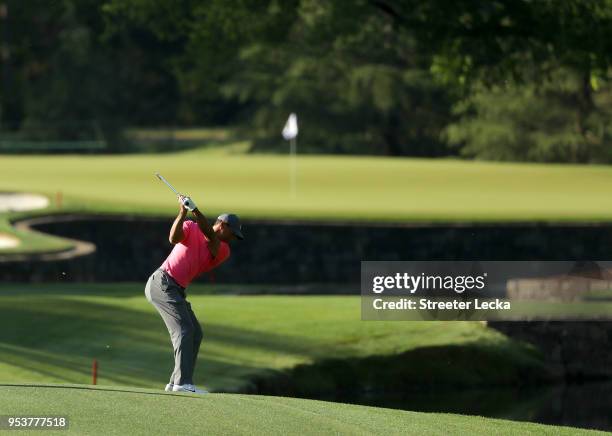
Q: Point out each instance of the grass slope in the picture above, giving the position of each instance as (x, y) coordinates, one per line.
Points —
(31, 241)
(52, 333)
(136, 411)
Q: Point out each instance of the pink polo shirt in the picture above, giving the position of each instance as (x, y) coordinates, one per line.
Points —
(192, 257)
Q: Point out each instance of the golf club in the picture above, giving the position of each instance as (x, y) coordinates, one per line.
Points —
(163, 179)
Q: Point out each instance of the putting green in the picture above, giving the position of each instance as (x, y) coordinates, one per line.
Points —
(111, 411)
(329, 187)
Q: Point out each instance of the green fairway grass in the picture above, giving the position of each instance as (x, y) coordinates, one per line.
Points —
(329, 187)
(52, 334)
(111, 411)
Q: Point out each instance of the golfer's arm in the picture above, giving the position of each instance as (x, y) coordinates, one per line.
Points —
(213, 241)
(176, 232)
(204, 225)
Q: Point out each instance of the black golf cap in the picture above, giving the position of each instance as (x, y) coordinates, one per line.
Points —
(233, 222)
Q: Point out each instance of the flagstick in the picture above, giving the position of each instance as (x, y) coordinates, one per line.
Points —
(293, 149)
(290, 132)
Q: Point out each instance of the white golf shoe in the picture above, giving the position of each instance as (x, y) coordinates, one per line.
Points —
(169, 387)
(188, 388)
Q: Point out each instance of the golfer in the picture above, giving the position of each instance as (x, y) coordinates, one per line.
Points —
(198, 248)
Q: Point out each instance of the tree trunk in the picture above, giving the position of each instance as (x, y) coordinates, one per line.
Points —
(584, 108)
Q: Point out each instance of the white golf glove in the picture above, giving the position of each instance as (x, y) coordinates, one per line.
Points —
(189, 204)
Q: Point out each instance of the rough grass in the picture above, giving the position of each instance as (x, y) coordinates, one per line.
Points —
(52, 333)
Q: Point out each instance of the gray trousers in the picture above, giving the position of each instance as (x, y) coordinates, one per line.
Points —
(185, 331)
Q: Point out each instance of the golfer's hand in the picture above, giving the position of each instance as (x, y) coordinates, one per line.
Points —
(188, 203)
(182, 208)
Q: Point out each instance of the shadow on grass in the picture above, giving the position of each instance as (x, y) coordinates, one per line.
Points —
(434, 367)
(475, 378)
(136, 289)
(171, 144)
(56, 339)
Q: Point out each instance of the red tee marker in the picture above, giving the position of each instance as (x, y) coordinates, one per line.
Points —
(94, 372)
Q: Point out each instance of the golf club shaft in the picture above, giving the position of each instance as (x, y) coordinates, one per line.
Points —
(160, 177)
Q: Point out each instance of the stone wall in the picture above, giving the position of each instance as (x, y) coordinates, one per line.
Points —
(559, 288)
(129, 248)
(573, 351)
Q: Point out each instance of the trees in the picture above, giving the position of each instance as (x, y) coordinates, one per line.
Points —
(358, 84)
(378, 76)
(70, 82)
(398, 77)
(534, 122)
(509, 57)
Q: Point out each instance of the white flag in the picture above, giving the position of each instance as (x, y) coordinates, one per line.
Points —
(290, 131)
